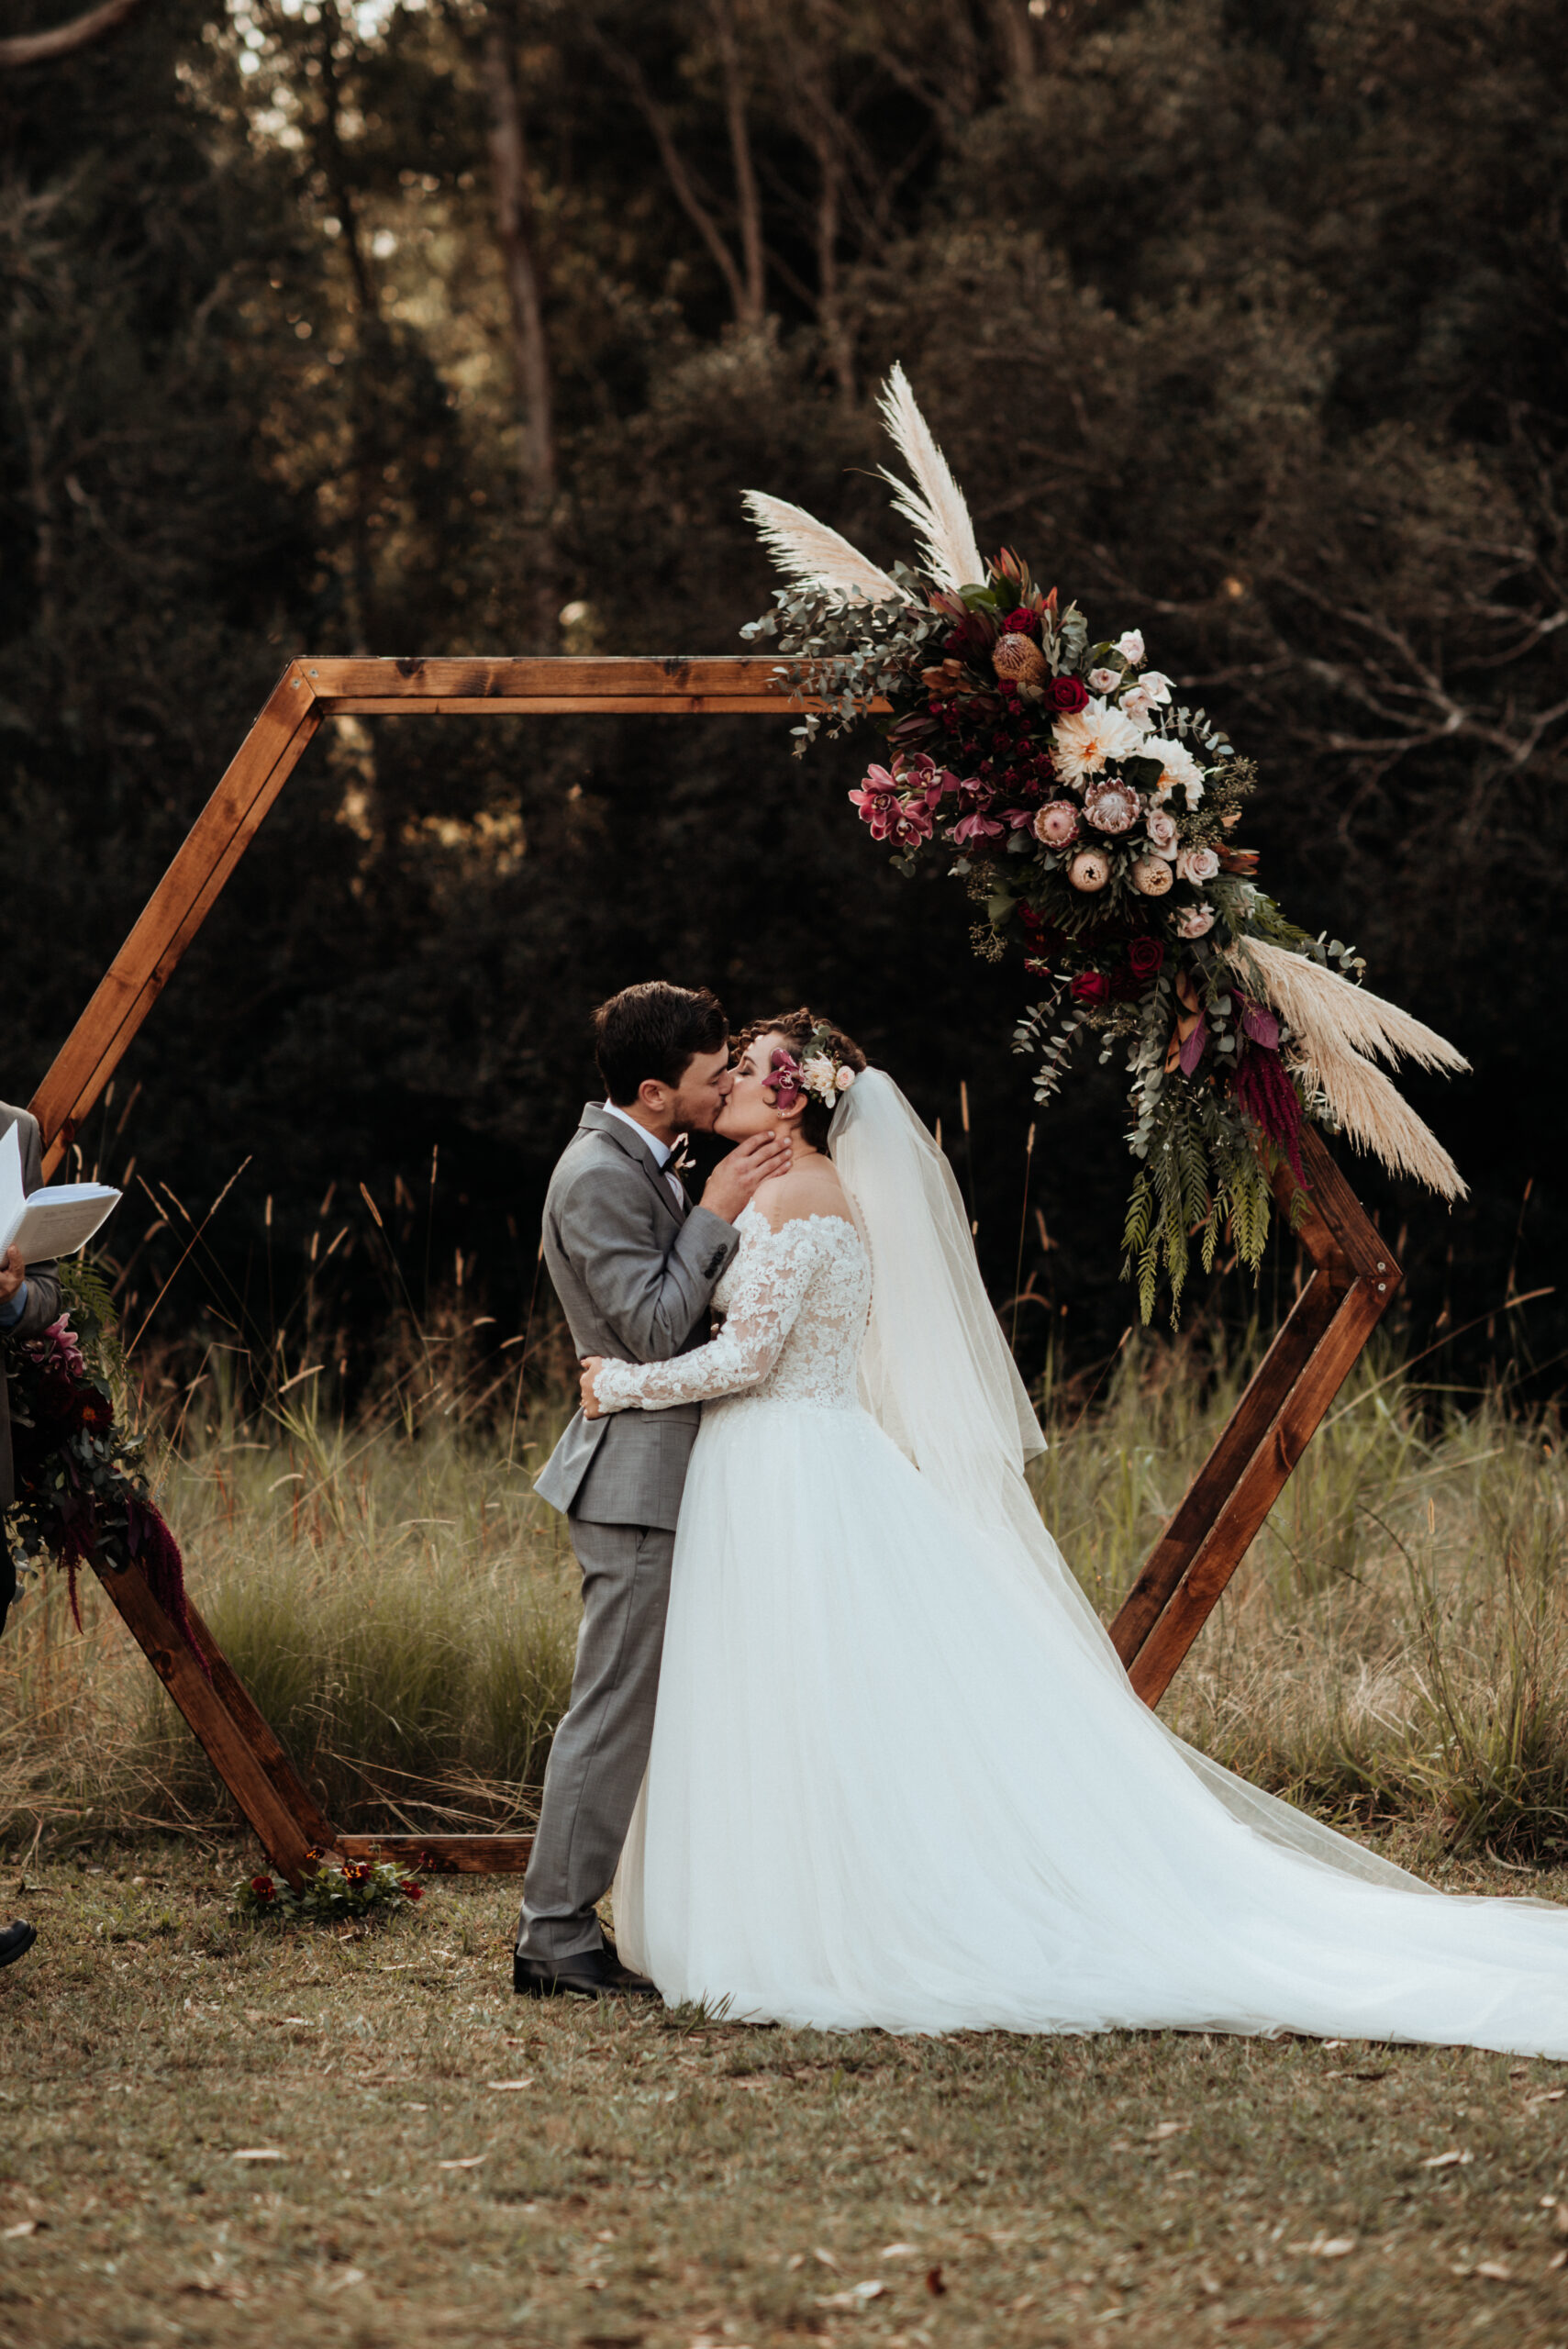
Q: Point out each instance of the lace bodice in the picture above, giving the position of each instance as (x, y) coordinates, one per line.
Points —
(794, 1303)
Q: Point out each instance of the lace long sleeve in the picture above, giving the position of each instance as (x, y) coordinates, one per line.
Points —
(772, 1274)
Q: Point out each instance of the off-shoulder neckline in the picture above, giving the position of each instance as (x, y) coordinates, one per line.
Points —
(751, 1208)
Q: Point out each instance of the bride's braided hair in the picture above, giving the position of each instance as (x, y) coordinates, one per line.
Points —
(797, 1028)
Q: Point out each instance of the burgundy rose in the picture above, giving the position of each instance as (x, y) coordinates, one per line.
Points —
(1023, 622)
(1145, 956)
(1091, 986)
(1066, 694)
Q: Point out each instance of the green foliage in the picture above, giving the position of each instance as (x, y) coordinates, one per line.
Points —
(330, 1895)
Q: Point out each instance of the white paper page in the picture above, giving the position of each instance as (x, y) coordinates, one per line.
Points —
(58, 1221)
(13, 1198)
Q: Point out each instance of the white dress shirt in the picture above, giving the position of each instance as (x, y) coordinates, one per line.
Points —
(663, 1151)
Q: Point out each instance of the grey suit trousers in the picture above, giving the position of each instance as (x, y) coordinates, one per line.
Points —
(601, 1748)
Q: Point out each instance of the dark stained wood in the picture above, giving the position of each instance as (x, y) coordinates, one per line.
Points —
(1221, 1473)
(1242, 1513)
(226, 1741)
(175, 911)
(577, 681)
(268, 1749)
(443, 1855)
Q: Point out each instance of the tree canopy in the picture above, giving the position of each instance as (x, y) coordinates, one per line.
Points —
(461, 327)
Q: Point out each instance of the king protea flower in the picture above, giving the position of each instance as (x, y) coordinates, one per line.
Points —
(1083, 743)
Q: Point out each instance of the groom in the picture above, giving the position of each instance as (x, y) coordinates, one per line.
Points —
(634, 1264)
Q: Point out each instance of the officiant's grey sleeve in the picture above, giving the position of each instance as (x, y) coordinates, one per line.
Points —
(649, 1298)
(42, 1303)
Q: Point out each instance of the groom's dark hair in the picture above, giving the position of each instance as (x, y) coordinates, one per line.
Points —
(655, 1030)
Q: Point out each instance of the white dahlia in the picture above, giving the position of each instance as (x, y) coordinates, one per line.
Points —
(1179, 771)
(1083, 743)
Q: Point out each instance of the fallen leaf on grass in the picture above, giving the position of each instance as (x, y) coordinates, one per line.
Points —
(1444, 2161)
(1325, 2247)
(1168, 2129)
(255, 2154)
(826, 2257)
(219, 2288)
(525, 2083)
(22, 2227)
(468, 2161)
(1551, 2096)
(856, 2296)
(934, 2284)
(1495, 2270)
(899, 2251)
(349, 2275)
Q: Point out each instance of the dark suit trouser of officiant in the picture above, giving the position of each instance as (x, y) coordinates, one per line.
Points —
(635, 1268)
(40, 1307)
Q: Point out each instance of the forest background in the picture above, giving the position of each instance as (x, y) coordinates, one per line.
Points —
(461, 327)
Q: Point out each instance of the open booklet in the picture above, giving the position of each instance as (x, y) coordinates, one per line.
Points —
(53, 1222)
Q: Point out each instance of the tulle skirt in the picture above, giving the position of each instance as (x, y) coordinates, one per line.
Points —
(898, 1780)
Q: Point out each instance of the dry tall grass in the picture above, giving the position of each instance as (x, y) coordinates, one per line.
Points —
(1397, 1646)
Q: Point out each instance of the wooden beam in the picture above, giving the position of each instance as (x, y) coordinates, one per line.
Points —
(575, 682)
(175, 911)
(1229, 1499)
(228, 1743)
(443, 1855)
(1245, 1509)
(247, 1717)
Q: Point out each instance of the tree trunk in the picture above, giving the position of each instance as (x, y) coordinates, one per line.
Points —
(751, 310)
(517, 236)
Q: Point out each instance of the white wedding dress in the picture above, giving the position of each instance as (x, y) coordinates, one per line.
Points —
(898, 1777)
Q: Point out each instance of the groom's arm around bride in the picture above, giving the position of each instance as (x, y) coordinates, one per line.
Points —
(634, 1264)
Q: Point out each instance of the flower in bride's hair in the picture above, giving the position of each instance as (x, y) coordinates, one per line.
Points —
(783, 1079)
(843, 1079)
(817, 1075)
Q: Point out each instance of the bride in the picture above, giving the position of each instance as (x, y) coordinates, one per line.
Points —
(898, 1777)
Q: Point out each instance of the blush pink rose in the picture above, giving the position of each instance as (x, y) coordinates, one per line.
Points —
(1161, 830)
(1198, 864)
(1195, 921)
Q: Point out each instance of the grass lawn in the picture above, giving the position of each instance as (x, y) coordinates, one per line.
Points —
(457, 2164)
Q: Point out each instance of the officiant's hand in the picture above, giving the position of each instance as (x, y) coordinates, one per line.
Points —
(13, 1273)
(590, 1401)
(729, 1188)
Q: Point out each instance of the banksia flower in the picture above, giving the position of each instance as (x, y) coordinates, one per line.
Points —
(1018, 660)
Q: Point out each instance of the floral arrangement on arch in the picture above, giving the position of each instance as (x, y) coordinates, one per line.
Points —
(1092, 816)
(81, 1479)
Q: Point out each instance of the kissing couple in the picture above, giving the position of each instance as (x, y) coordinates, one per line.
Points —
(844, 1732)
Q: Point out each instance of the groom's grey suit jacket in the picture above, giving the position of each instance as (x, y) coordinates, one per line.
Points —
(634, 1274)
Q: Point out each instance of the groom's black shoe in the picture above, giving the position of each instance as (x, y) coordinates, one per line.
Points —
(588, 1973)
(16, 1940)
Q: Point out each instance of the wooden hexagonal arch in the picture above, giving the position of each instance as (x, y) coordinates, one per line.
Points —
(1352, 1280)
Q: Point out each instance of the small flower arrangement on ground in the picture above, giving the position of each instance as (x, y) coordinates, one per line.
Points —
(81, 1479)
(1091, 814)
(336, 1892)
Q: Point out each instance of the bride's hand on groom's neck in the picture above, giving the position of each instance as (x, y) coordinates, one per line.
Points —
(734, 1180)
